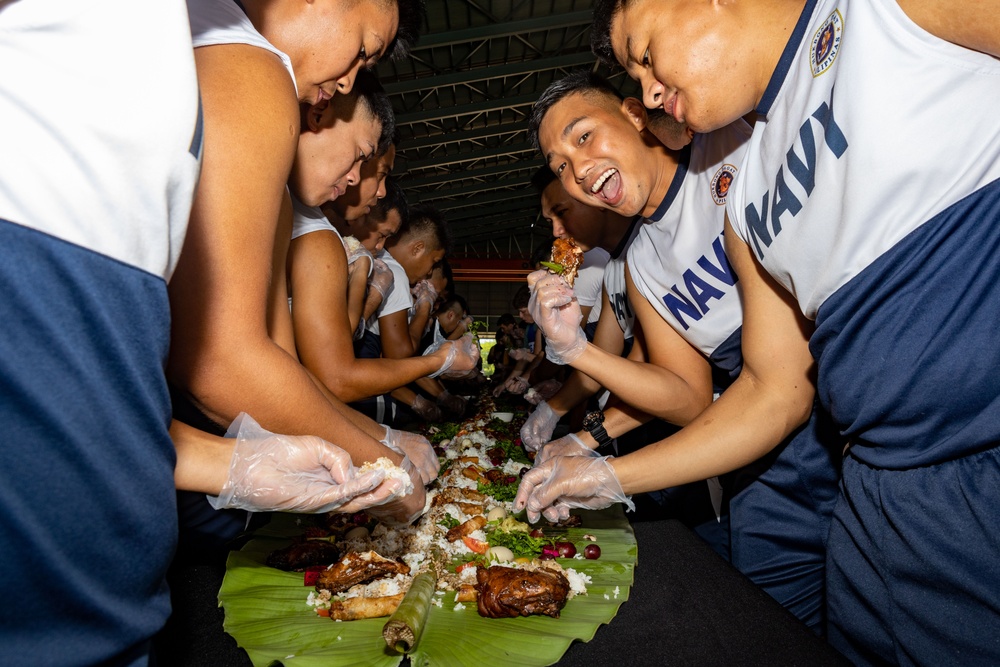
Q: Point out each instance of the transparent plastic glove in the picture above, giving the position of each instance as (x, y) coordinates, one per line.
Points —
(425, 409)
(451, 403)
(284, 473)
(520, 354)
(557, 312)
(403, 510)
(417, 448)
(381, 277)
(355, 250)
(543, 391)
(568, 445)
(516, 384)
(424, 294)
(565, 482)
(537, 430)
(463, 355)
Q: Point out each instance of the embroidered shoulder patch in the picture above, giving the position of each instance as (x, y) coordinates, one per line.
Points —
(721, 182)
(826, 43)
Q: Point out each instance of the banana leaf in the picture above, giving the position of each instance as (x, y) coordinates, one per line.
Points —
(267, 614)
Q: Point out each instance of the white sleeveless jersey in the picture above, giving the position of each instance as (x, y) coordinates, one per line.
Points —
(69, 146)
(308, 219)
(614, 280)
(223, 22)
(589, 280)
(678, 262)
(830, 181)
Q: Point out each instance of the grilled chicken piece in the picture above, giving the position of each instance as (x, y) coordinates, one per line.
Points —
(569, 255)
(300, 555)
(467, 528)
(358, 568)
(508, 592)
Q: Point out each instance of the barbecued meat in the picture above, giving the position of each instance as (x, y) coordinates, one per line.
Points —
(505, 591)
(303, 554)
(358, 568)
(567, 253)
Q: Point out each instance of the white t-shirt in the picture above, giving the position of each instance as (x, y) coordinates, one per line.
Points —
(223, 22)
(398, 298)
(590, 280)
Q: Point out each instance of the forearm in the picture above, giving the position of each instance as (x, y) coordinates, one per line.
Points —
(202, 459)
(261, 379)
(747, 422)
(647, 387)
(354, 379)
(577, 388)
(618, 420)
(418, 324)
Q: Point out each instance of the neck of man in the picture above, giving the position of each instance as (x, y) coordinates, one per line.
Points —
(664, 164)
(613, 230)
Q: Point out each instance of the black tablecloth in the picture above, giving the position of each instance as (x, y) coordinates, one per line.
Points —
(687, 606)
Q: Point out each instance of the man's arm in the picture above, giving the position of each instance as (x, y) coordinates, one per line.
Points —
(221, 353)
(324, 339)
(676, 384)
(973, 24)
(772, 396)
(578, 386)
(357, 291)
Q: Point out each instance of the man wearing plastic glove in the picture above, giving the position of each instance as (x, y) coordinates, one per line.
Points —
(590, 227)
(780, 507)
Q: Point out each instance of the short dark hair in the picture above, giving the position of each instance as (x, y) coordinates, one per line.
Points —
(394, 198)
(542, 253)
(600, 32)
(506, 318)
(426, 221)
(580, 81)
(542, 178)
(411, 18)
(452, 301)
(370, 91)
(449, 275)
(521, 297)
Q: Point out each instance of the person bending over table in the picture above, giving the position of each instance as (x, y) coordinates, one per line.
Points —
(890, 267)
(232, 348)
(688, 301)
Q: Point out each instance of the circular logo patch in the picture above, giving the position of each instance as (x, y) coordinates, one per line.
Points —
(826, 43)
(721, 182)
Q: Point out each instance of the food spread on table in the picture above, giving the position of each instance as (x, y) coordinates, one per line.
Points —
(467, 554)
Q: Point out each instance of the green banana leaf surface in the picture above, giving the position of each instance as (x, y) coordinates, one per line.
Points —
(267, 614)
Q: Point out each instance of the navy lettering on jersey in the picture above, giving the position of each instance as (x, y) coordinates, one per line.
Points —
(699, 290)
(623, 309)
(802, 169)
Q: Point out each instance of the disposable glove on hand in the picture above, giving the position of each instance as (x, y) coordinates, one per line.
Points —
(303, 473)
(355, 250)
(404, 510)
(424, 294)
(520, 354)
(565, 482)
(415, 447)
(425, 409)
(537, 430)
(557, 313)
(463, 355)
(381, 278)
(543, 391)
(451, 403)
(568, 445)
(516, 384)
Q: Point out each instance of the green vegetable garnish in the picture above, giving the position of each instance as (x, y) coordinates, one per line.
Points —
(513, 452)
(448, 521)
(519, 542)
(499, 490)
(554, 267)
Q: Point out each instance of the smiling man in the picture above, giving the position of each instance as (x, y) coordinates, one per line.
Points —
(891, 268)
(688, 301)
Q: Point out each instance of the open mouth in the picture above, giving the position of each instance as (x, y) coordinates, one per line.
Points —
(608, 186)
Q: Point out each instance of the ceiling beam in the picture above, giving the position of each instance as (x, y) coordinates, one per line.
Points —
(506, 29)
(490, 72)
(464, 191)
(465, 175)
(468, 156)
(528, 204)
(483, 200)
(460, 135)
(499, 104)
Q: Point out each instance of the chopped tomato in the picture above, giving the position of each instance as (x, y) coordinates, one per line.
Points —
(459, 568)
(325, 613)
(477, 546)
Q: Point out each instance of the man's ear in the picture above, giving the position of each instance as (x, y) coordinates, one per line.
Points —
(417, 247)
(636, 112)
(313, 116)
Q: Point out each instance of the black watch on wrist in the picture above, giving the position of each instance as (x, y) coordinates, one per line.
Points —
(593, 423)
